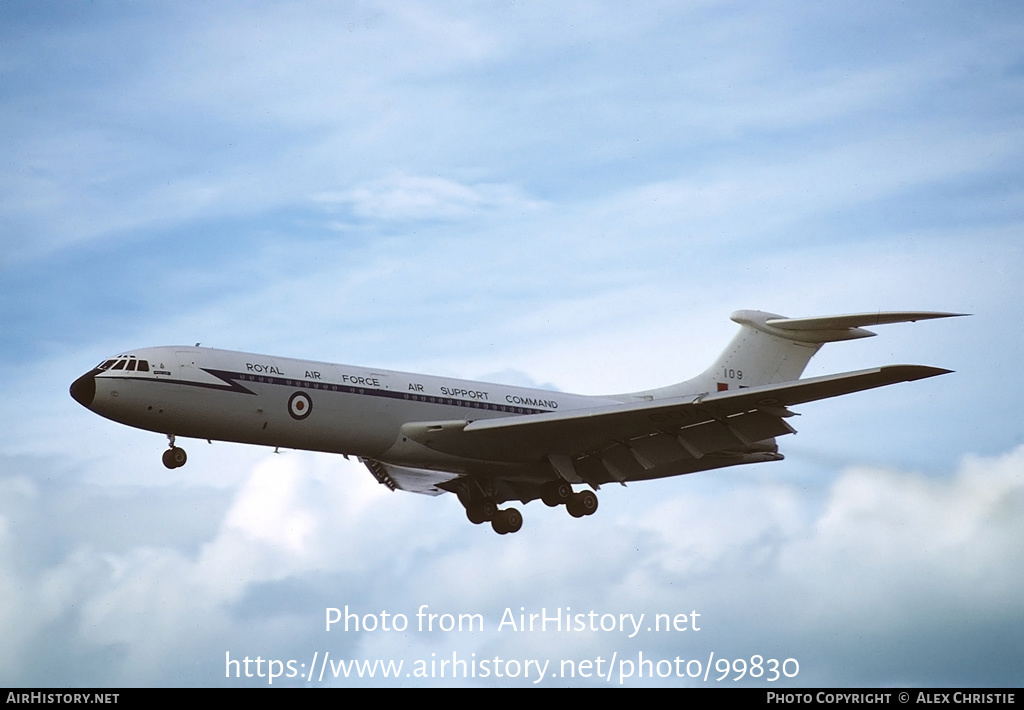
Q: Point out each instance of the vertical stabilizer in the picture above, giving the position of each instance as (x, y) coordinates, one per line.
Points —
(760, 355)
(770, 348)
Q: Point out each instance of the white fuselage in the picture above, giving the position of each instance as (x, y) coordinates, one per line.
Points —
(222, 395)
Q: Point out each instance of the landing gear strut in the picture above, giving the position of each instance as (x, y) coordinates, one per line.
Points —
(174, 457)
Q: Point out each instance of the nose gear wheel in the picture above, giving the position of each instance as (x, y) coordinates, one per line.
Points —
(175, 456)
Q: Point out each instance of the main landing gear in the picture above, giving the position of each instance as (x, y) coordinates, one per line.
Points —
(174, 457)
(504, 521)
(578, 504)
(510, 520)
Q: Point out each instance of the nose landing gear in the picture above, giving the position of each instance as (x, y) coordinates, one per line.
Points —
(174, 457)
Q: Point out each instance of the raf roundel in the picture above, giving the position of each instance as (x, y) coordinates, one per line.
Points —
(300, 405)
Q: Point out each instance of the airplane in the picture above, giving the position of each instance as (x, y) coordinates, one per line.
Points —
(490, 443)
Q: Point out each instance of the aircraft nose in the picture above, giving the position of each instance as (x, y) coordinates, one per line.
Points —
(84, 388)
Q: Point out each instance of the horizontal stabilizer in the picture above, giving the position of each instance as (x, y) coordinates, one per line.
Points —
(824, 329)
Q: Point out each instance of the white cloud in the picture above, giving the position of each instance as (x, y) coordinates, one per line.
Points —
(409, 197)
(883, 549)
(917, 542)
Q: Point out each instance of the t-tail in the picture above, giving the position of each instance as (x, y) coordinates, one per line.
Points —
(772, 349)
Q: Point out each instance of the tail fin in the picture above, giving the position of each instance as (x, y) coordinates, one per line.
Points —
(770, 349)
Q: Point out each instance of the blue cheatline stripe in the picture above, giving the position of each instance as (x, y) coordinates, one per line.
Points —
(232, 384)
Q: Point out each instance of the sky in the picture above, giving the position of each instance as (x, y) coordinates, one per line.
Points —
(569, 195)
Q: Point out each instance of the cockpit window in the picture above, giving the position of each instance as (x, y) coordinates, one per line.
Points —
(128, 363)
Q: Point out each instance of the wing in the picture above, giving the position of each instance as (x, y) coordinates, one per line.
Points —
(652, 438)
